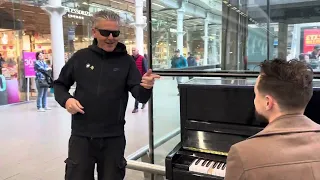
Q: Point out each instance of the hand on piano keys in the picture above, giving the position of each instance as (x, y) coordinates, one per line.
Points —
(208, 167)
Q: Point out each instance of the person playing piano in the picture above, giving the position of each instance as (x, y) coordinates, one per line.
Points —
(288, 147)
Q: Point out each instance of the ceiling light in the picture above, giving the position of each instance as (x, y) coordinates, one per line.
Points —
(85, 3)
(158, 5)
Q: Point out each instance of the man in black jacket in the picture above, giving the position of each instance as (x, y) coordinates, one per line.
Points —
(104, 73)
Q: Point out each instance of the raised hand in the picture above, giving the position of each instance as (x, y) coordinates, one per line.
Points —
(148, 79)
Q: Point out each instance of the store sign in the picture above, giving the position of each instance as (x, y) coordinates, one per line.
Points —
(3, 85)
(29, 59)
(311, 38)
(78, 12)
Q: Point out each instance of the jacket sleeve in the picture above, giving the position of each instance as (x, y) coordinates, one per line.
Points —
(234, 169)
(133, 84)
(64, 82)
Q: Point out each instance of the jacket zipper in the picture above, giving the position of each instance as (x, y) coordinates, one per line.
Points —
(98, 89)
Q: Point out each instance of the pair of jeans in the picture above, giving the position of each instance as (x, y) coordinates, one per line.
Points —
(42, 96)
(106, 152)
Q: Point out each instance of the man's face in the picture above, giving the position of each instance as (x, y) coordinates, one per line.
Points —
(177, 54)
(263, 104)
(135, 51)
(105, 31)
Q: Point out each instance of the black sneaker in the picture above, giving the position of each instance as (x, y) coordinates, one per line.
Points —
(135, 111)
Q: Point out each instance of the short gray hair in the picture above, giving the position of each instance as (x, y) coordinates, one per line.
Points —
(105, 15)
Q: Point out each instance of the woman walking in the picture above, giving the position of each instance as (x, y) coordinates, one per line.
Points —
(42, 83)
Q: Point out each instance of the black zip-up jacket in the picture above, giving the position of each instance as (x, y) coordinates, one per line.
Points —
(103, 80)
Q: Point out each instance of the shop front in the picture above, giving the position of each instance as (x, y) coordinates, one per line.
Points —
(25, 28)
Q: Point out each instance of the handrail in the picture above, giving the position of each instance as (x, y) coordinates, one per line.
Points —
(142, 151)
(146, 167)
(233, 74)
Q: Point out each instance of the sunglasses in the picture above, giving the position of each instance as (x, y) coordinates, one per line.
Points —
(106, 33)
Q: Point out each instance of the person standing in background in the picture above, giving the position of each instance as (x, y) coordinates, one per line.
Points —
(2, 61)
(142, 66)
(41, 67)
(191, 62)
(178, 61)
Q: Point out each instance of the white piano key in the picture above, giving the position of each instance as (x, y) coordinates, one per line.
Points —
(219, 169)
(198, 166)
(214, 170)
(192, 166)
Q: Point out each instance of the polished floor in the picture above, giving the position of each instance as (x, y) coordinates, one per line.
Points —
(34, 145)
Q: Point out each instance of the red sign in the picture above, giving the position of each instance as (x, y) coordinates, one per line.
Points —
(311, 38)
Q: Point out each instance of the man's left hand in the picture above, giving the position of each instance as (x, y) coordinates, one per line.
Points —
(148, 79)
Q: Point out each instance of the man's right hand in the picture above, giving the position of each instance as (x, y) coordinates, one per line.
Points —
(73, 106)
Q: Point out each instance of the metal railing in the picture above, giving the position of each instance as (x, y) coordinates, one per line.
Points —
(146, 167)
(144, 150)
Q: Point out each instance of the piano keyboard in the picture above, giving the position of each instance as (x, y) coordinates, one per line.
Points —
(208, 167)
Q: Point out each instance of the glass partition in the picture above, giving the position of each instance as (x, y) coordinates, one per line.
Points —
(214, 35)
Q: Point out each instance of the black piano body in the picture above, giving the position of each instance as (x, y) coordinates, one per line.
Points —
(214, 115)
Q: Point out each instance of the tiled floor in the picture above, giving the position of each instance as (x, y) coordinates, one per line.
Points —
(34, 145)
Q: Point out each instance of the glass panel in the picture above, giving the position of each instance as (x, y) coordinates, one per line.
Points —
(209, 35)
(297, 34)
(166, 114)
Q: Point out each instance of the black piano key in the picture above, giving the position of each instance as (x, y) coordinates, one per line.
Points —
(193, 162)
(215, 164)
(197, 161)
(224, 166)
(209, 162)
(204, 162)
(220, 164)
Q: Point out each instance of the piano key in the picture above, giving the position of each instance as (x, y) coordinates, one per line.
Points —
(219, 171)
(208, 164)
(197, 161)
(192, 165)
(204, 162)
(224, 170)
(198, 166)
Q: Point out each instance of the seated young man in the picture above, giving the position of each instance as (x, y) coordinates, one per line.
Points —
(288, 148)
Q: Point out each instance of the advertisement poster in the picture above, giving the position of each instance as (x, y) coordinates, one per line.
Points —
(311, 38)
(29, 58)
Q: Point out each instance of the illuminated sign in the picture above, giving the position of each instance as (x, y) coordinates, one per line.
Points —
(311, 38)
(77, 11)
(3, 85)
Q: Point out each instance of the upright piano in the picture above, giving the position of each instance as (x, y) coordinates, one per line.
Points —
(215, 114)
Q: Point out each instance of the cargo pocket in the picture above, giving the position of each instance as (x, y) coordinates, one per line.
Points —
(122, 167)
(70, 169)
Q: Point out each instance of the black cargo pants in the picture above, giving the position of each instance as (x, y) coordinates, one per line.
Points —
(85, 152)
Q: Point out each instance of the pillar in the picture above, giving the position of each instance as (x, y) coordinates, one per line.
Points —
(180, 32)
(206, 41)
(140, 24)
(282, 40)
(56, 11)
(214, 48)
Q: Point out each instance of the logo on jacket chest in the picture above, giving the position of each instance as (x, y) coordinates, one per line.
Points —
(89, 66)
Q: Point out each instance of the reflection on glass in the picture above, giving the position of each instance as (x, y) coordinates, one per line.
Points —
(234, 34)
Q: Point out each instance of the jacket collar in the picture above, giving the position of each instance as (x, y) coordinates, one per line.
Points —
(289, 124)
